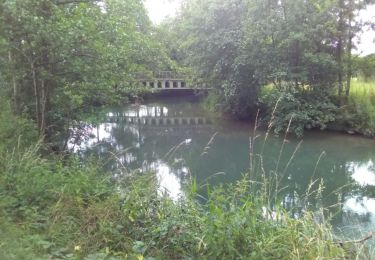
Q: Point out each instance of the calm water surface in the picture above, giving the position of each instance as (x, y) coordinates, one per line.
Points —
(178, 139)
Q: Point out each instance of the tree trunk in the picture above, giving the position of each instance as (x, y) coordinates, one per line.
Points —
(349, 74)
(340, 49)
(14, 83)
(46, 69)
(340, 72)
(349, 52)
(43, 106)
(37, 99)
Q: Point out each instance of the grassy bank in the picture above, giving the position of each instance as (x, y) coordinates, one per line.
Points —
(361, 107)
(356, 115)
(62, 208)
(55, 209)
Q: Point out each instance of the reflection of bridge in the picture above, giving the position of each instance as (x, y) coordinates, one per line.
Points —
(160, 121)
(167, 80)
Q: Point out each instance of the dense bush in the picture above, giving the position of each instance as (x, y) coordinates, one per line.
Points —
(308, 110)
(15, 131)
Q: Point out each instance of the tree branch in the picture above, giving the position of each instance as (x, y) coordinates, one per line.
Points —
(64, 2)
(360, 241)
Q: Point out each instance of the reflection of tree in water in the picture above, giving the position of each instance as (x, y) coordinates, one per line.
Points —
(138, 146)
(141, 146)
(333, 169)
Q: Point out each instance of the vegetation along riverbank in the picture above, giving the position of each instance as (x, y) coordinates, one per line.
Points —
(289, 62)
(62, 208)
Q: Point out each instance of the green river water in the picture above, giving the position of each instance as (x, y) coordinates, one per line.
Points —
(177, 139)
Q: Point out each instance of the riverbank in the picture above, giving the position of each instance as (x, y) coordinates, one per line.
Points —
(62, 207)
(361, 107)
(310, 111)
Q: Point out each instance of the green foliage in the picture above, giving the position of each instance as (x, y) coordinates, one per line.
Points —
(16, 243)
(359, 115)
(288, 47)
(63, 208)
(301, 111)
(60, 57)
(365, 67)
(238, 46)
(207, 38)
(15, 131)
(214, 102)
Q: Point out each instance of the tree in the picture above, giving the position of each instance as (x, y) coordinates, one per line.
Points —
(302, 48)
(68, 54)
(365, 66)
(207, 38)
(348, 26)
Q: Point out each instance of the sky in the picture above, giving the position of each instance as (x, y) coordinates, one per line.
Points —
(159, 9)
(367, 38)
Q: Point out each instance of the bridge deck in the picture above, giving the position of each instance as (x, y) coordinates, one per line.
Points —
(159, 83)
(167, 80)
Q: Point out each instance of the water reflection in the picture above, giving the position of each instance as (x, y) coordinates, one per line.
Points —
(176, 139)
(363, 174)
(168, 179)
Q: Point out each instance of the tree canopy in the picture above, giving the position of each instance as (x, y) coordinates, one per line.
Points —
(57, 56)
(239, 46)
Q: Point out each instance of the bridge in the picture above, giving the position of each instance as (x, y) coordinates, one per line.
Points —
(160, 121)
(167, 80)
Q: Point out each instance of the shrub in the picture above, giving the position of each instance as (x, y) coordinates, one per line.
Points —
(15, 131)
(306, 110)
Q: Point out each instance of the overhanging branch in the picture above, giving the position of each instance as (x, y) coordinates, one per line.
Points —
(63, 2)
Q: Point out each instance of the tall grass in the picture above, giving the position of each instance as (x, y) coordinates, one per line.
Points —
(71, 211)
(362, 107)
(357, 115)
(363, 93)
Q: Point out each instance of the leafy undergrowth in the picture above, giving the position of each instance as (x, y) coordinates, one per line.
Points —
(63, 209)
(314, 110)
(288, 108)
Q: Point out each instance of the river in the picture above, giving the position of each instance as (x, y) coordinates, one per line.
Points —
(178, 140)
